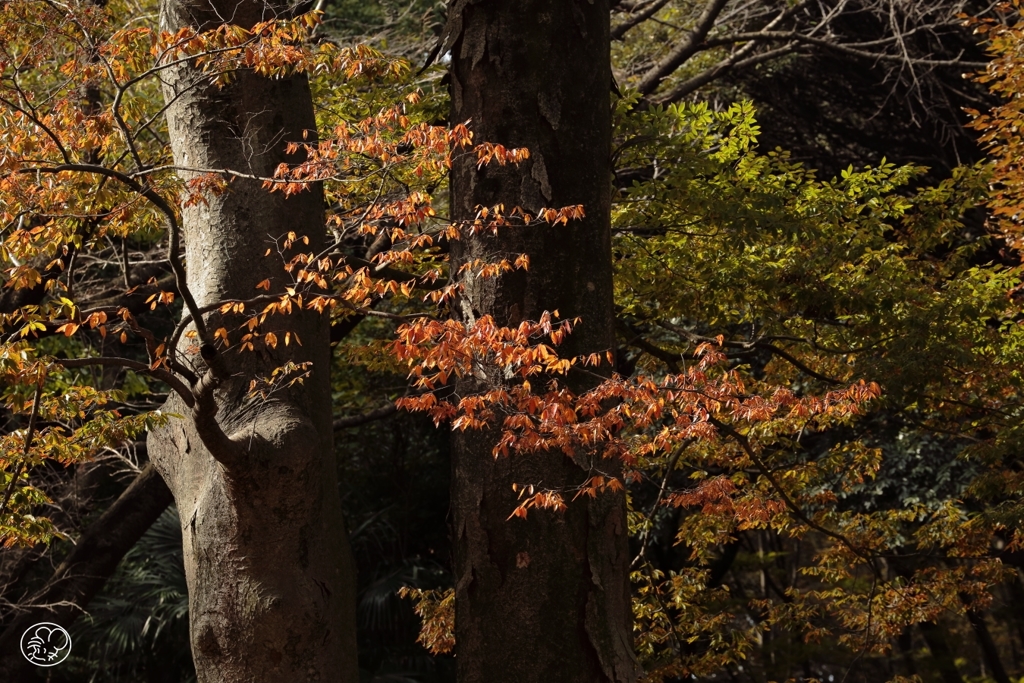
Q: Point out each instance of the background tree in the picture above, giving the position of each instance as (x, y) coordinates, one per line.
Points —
(535, 75)
(813, 313)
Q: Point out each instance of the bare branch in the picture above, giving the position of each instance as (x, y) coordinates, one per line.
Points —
(689, 47)
(747, 25)
(349, 421)
(156, 373)
(733, 62)
(852, 50)
(619, 30)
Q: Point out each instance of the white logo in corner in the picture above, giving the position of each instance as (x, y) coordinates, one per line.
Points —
(45, 644)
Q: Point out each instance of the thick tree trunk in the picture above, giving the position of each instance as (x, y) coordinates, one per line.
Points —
(270, 575)
(545, 599)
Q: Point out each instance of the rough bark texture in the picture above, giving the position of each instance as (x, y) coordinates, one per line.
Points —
(545, 599)
(86, 568)
(270, 573)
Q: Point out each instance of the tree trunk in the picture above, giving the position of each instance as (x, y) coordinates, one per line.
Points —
(942, 653)
(905, 641)
(546, 598)
(1015, 587)
(988, 646)
(269, 570)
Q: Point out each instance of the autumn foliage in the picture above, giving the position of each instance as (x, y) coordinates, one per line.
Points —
(783, 336)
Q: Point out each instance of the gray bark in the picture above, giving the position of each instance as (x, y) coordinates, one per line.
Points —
(270, 573)
(545, 599)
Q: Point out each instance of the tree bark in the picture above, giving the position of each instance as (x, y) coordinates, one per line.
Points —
(546, 598)
(269, 570)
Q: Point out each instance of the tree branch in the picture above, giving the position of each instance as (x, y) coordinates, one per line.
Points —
(670, 359)
(222, 447)
(173, 229)
(756, 344)
(795, 363)
(690, 46)
(794, 509)
(619, 30)
(734, 60)
(156, 373)
(839, 47)
(349, 421)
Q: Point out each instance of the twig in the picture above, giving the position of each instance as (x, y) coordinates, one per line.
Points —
(790, 503)
(657, 501)
(107, 361)
(349, 421)
(29, 435)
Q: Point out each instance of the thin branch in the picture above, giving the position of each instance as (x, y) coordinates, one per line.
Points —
(173, 229)
(733, 61)
(690, 46)
(756, 344)
(619, 30)
(390, 273)
(349, 421)
(29, 435)
(795, 363)
(156, 373)
(670, 359)
(35, 119)
(794, 509)
(840, 47)
(661, 495)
